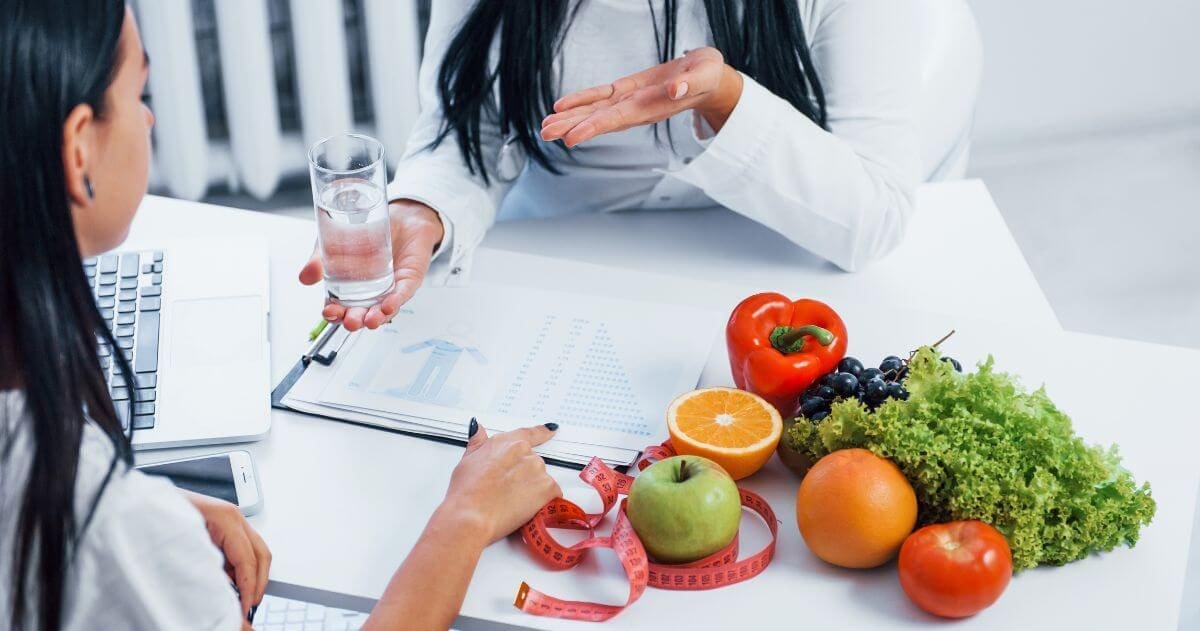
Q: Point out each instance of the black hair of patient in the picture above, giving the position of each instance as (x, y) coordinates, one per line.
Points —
(54, 56)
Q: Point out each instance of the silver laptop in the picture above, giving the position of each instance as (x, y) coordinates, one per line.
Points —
(192, 319)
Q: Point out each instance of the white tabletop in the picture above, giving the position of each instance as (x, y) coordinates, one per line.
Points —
(344, 504)
(958, 255)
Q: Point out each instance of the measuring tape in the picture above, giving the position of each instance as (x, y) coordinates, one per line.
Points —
(716, 570)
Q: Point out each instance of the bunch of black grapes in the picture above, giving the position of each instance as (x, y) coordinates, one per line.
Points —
(871, 386)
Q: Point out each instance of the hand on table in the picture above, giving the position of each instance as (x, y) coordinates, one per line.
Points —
(247, 558)
(416, 232)
(500, 483)
(700, 80)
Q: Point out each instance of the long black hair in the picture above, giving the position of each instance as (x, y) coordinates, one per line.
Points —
(762, 38)
(54, 56)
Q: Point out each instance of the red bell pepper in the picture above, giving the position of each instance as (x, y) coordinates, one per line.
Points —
(778, 348)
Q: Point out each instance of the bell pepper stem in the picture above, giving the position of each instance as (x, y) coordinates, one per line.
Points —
(788, 339)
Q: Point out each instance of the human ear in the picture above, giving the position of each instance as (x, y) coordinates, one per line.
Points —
(78, 153)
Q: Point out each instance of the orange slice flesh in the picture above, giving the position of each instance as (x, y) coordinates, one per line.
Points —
(737, 429)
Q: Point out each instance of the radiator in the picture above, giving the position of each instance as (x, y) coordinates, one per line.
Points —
(218, 113)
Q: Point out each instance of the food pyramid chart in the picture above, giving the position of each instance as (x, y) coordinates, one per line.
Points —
(601, 396)
(584, 383)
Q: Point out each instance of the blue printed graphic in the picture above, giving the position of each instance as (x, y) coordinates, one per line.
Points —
(428, 371)
(427, 386)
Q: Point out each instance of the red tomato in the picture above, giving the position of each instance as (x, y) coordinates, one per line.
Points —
(955, 570)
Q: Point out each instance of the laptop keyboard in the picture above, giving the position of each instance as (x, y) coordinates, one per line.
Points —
(128, 289)
(285, 614)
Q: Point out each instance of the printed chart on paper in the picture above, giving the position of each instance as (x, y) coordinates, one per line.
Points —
(603, 369)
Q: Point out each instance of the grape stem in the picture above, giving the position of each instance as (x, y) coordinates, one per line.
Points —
(935, 344)
(944, 338)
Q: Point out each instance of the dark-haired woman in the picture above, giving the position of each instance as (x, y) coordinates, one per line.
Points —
(86, 542)
(794, 113)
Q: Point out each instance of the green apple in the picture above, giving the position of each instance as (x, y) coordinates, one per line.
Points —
(684, 508)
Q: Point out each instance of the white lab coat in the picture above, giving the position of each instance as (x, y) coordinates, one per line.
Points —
(844, 194)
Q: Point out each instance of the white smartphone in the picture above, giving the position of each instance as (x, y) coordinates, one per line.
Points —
(229, 476)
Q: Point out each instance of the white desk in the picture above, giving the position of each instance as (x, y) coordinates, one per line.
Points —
(958, 256)
(344, 503)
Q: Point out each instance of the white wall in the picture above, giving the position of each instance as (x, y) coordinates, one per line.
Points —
(1057, 68)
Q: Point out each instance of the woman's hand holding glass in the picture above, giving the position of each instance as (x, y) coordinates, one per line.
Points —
(416, 232)
(500, 483)
(700, 80)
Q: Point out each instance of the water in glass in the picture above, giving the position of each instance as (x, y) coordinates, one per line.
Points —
(356, 241)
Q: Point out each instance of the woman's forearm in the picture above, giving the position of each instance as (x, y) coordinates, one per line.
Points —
(719, 105)
(499, 484)
(844, 198)
(427, 590)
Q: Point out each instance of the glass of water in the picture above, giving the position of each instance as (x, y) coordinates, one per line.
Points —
(353, 229)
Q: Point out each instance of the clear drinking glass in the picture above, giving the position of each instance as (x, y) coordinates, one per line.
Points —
(353, 230)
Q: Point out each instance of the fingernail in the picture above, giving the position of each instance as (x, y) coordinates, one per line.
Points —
(473, 428)
(681, 90)
(552, 427)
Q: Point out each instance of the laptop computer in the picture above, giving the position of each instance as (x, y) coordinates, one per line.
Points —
(192, 319)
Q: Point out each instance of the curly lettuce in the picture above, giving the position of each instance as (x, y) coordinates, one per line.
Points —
(977, 446)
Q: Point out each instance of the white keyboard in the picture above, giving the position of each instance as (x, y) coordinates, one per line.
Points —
(284, 614)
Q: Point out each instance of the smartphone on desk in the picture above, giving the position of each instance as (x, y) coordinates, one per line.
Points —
(228, 476)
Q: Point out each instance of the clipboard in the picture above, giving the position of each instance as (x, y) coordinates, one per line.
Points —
(324, 351)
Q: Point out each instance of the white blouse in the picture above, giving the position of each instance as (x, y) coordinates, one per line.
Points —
(844, 194)
(145, 560)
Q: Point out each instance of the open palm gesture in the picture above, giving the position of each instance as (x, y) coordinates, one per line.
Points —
(699, 80)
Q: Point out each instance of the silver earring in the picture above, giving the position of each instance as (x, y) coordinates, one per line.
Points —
(87, 186)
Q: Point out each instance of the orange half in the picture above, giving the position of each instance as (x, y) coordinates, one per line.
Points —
(736, 429)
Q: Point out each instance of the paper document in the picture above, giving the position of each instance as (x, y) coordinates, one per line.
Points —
(603, 369)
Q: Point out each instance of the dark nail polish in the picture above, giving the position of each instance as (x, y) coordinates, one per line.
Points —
(472, 428)
(552, 427)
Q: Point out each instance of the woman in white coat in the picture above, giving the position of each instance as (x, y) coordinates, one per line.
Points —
(798, 114)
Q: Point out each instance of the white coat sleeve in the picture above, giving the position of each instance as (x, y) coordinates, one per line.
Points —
(845, 194)
(437, 176)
